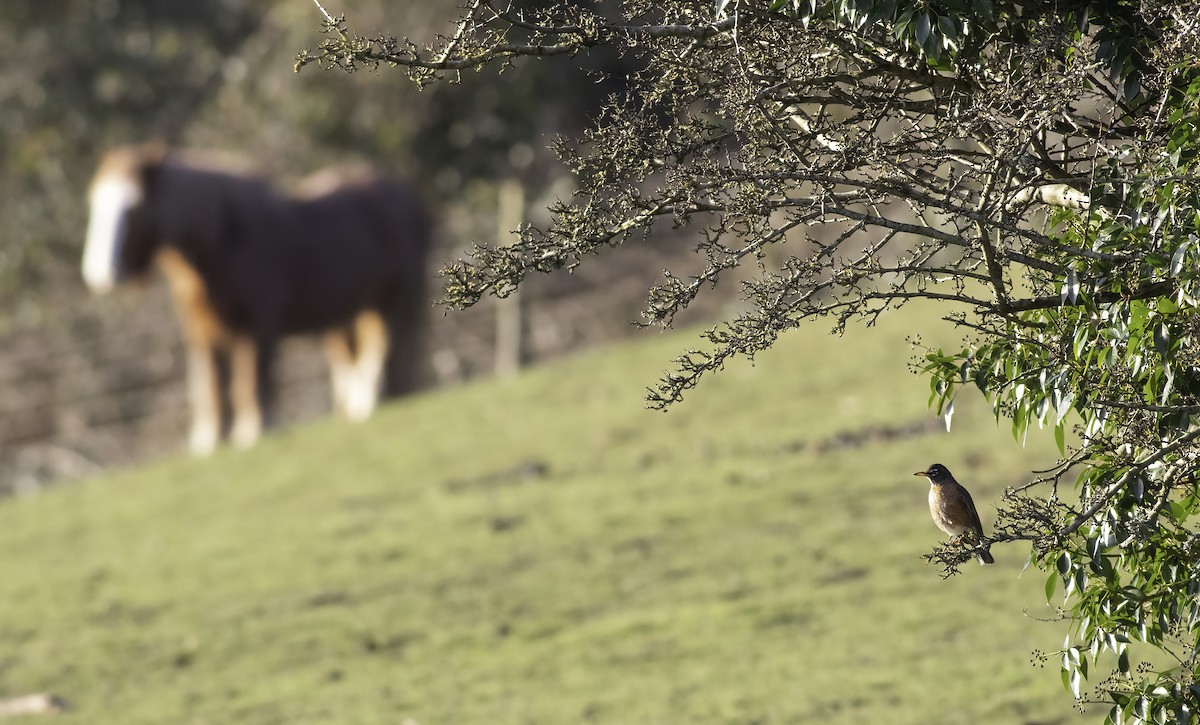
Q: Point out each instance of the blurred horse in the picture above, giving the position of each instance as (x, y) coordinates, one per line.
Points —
(246, 265)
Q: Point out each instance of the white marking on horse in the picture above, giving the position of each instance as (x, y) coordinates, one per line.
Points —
(356, 375)
(110, 201)
(362, 389)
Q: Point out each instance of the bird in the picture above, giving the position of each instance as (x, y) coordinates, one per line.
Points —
(952, 508)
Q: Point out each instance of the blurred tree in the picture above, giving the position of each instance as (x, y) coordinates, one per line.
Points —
(80, 76)
(83, 74)
(1030, 165)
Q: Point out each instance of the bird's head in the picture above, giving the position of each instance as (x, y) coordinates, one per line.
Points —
(937, 473)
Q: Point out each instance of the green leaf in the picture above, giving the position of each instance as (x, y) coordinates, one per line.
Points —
(1070, 288)
(1019, 422)
(1050, 582)
(1060, 438)
(882, 11)
(1130, 88)
(921, 29)
(946, 26)
(1177, 259)
(1162, 339)
(983, 8)
(1157, 259)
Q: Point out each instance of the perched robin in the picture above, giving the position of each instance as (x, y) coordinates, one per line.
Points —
(952, 508)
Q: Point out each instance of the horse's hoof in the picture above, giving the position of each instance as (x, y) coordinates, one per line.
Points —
(359, 403)
(245, 435)
(202, 442)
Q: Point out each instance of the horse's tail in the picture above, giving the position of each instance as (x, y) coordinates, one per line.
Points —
(411, 298)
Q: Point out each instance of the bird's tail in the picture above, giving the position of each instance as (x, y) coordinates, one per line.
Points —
(985, 557)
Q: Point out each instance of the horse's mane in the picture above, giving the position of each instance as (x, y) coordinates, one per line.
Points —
(201, 198)
(327, 181)
(129, 161)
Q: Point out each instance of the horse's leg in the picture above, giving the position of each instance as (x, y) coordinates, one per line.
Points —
(371, 345)
(204, 396)
(203, 337)
(266, 345)
(252, 387)
(243, 393)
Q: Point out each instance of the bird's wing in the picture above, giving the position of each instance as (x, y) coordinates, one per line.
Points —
(965, 496)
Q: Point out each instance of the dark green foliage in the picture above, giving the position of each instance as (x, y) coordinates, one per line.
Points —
(79, 76)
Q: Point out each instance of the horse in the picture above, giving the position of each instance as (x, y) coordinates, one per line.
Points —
(342, 257)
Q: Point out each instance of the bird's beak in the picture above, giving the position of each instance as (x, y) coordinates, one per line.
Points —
(922, 473)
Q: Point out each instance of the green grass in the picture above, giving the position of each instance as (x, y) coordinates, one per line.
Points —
(544, 550)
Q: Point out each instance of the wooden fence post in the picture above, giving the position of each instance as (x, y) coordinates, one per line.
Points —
(509, 325)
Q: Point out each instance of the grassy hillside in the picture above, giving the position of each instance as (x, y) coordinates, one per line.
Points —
(544, 550)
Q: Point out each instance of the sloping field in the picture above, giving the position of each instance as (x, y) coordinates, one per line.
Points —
(544, 550)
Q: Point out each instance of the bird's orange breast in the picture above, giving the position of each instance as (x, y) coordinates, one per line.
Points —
(948, 510)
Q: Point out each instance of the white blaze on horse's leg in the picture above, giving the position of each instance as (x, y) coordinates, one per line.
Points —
(205, 400)
(110, 201)
(372, 340)
(247, 412)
